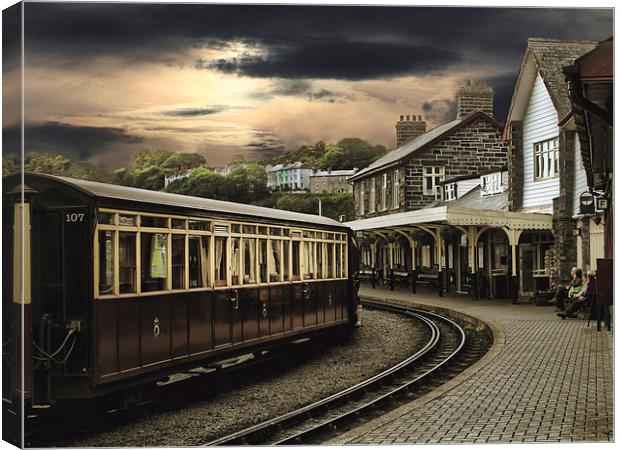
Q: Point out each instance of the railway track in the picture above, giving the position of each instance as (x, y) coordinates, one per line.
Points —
(440, 359)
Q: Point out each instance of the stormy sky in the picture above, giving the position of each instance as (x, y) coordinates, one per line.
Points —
(105, 80)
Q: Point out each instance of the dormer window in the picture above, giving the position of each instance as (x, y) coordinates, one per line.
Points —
(491, 184)
(450, 192)
(546, 159)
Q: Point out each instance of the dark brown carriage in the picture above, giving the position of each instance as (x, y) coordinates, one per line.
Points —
(130, 285)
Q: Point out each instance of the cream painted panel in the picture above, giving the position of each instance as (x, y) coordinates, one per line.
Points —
(581, 183)
(464, 186)
(597, 243)
(540, 123)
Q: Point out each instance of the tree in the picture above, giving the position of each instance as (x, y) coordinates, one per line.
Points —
(51, 163)
(11, 163)
(333, 205)
(88, 171)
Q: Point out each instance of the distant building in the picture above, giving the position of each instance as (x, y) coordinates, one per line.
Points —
(288, 177)
(331, 181)
(229, 168)
(177, 176)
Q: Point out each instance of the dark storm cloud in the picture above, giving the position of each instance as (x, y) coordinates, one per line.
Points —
(303, 41)
(439, 111)
(77, 142)
(301, 89)
(195, 112)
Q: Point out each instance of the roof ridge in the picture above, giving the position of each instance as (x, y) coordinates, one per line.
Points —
(562, 41)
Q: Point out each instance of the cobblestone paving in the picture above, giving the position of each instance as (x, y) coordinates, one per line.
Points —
(550, 382)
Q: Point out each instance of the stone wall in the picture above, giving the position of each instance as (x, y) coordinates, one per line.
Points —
(475, 148)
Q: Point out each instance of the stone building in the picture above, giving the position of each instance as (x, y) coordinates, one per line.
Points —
(408, 177)
(331, 181)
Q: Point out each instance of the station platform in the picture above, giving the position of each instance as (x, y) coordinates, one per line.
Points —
(544, 380)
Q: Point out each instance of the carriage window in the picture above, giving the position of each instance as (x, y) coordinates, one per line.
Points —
(236, 228)
(178, 261)
(105, 218)
(286, 259)
(249, 229)
(275, 260)
(338, 261)
(330, 260)
(153, 249)
(198, 261)
(275, 231)
(127, 263)
(249, 261)
(198, 225)
(220, 261)
(262, 261)
(309, 260)
(319, 260)
(295, 260)
(262, 230)
(178, 224)
(153, 222)
(126, 220)
(106, 262)
(308, 234)
(235, 267)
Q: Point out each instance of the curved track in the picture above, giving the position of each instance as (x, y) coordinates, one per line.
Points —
(446, 340)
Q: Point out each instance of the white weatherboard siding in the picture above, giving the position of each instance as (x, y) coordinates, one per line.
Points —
(581, 183)
(539, 124)
(464, 186)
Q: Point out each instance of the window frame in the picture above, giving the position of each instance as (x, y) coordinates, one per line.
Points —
(396, 189)
(450, 192)
(437, 175)
(372, 201)
(540, 157)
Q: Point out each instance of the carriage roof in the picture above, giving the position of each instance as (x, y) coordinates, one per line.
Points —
(116, 192)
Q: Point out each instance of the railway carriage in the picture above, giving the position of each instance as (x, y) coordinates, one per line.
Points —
(114, 287)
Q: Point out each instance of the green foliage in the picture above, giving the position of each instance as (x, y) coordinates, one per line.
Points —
(333, 205)
(11, 163)
(349, 153)
(88, 171)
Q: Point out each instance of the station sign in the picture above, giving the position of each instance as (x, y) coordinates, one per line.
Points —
(586, 203)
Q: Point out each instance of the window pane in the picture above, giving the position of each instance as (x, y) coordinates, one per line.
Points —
(286, 258)
(249, 229)
(127, 262)
(338, 260)
(220, 261)
(198, 261)
(249, 261)
(153, 222)
(262, 230)
(198, 225)
(236, 228)
(262, 260)
(153, 249)
(275, 231)
(178, 224)
(319, 260)
(428, 181)
(309, 259)
(106, 262)
(105, 218)
(295, 258)
(330, 260)
(275, 267)
(126, 220)
(178, 261)
(235, 251)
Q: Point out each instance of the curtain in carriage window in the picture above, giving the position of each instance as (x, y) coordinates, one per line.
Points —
(275, 258)
(249, 260)
(220, 261)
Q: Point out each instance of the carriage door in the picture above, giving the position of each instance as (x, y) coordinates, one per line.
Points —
(224, 297)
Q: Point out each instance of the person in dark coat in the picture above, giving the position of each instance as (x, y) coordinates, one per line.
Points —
(582, 298)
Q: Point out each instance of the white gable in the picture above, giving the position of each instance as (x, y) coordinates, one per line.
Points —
(540, 123)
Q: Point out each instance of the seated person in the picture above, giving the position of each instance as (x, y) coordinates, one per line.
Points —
(582, 297)
(564, 293)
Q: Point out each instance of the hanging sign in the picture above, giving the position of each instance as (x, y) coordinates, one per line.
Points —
(586, 203)
(602, 203)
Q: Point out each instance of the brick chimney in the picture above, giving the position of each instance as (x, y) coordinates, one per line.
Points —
(408, 128)
(474, 95)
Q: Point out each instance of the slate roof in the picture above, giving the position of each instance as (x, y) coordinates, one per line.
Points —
(420, 143)
(550, 56)
(473, 200)
(112, 191)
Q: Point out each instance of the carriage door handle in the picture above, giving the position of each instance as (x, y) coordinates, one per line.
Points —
(305, 291)
(235, 298)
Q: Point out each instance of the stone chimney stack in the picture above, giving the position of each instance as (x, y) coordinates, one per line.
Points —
(408, 128)
(474, 95)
